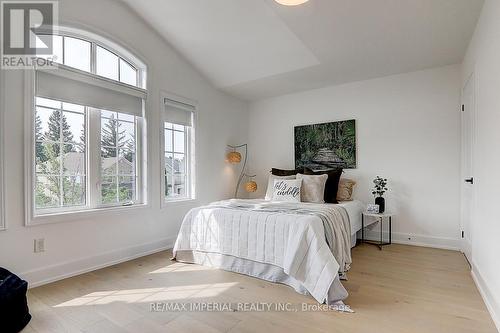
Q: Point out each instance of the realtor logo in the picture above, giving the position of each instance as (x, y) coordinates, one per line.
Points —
(27, 29)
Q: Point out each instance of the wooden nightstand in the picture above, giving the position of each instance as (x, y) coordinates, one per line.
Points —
(381, 218)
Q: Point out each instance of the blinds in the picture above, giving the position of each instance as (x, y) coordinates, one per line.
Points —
(178, 112)
(73, 86)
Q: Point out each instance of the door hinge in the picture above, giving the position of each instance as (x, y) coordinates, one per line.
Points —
(463, 108)
(463, 234)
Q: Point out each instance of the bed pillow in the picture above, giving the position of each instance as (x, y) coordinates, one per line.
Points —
(346, 187)
(313, 188)
(332, 183)
(281, 172)
(270, 184)
(287, 190)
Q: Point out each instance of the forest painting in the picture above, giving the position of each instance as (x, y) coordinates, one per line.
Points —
(326, 146)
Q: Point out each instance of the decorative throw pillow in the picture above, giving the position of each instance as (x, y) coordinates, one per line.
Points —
(346, 187)
(270, 185)
(281, 173)
(313, 188)
(287, 190)
(332, 183)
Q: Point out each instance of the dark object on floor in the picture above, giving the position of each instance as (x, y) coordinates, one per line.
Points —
(13, 303)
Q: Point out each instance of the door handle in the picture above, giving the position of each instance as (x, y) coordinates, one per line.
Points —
(470, 180)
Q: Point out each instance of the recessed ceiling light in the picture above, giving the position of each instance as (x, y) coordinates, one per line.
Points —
(291, 2)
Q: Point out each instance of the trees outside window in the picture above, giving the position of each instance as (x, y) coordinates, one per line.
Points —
(82, 156)
(176, 166)
(60, 155)
(60, 160)
(118, 151)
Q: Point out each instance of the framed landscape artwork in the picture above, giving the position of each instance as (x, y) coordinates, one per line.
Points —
(326, 146)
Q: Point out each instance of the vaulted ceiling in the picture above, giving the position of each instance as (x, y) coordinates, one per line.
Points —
(255, 49)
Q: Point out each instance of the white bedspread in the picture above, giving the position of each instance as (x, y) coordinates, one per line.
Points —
(354, 209)
(293, 238)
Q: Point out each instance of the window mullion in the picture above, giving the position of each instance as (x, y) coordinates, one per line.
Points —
(63, 52)
(119, 74)
(187, 164)
(117, 158)
(93, 156)
(172, 165)
(93, 57)
(61, 157)
(140, 194)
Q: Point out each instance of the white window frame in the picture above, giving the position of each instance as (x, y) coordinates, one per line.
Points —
(3, 225)
(97, 40)
(93, 160)
(190, 144)
(139, 174)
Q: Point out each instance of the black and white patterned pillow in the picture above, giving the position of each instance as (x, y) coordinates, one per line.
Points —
(287, 190)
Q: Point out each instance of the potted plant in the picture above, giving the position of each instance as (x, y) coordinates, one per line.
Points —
(378, 191)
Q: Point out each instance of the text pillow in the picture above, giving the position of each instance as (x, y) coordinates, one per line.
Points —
(287, 190)
(313, 188)
(270, 185)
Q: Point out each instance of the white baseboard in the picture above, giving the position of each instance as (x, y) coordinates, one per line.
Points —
(492, 305)
(68, 269)
(417, 240)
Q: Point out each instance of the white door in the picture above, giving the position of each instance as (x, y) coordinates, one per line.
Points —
(468, 120)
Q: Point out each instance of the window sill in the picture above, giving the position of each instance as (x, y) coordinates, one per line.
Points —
(178, 202)
(79, 215)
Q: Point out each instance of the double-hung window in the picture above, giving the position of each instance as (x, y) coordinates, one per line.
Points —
(87, 125)
(178, 147)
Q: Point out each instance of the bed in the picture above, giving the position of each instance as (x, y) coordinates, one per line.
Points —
(305, 246)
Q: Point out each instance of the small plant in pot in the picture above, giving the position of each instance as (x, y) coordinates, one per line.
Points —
(378, 192)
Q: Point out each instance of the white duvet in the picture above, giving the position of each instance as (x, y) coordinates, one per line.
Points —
(292, 237)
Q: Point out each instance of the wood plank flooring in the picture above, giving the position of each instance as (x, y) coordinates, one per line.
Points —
(401, 289)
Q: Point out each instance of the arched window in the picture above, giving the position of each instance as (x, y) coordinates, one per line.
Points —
(92, 53)
(86, 123)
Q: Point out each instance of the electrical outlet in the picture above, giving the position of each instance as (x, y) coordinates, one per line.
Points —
(39, 245)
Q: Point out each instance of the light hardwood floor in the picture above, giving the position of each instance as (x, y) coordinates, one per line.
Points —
(401, 289)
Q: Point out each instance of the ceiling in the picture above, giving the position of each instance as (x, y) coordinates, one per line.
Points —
(255, 49)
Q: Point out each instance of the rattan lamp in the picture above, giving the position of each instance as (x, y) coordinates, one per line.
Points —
(234, 157)
(251, 186)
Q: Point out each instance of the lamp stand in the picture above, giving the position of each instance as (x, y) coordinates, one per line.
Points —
(242, 169)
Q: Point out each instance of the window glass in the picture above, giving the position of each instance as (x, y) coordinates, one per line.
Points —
(128, 74)
(118, 158)
(77, 53)
(176, 178)
(66, 134)
(106, 63)
(179, 142)
(60, 160)
(57, 48)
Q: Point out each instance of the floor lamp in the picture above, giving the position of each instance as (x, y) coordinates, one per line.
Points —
(234, 157)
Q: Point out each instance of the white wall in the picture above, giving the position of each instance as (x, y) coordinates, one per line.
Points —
(483, 59)
(84, 244)
(408, 130)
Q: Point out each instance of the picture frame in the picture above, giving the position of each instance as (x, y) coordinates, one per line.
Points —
(326, 146)
(372, 209)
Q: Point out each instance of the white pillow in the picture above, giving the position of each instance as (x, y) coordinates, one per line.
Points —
(313, 188)
(287, 190)
(270, 184)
